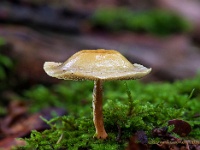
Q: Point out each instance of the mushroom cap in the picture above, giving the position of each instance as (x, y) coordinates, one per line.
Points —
(96, 65)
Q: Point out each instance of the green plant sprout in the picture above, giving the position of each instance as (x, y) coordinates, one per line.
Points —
(97, 65)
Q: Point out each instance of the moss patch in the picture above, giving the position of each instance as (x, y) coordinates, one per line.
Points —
(128, 107)
(157, 22)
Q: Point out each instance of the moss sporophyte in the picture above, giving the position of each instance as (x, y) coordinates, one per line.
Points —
(98, 65)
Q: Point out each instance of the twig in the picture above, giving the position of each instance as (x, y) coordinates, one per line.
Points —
(118, 138)
(60, 138)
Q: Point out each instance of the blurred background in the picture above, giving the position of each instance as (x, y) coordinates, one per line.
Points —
(161, 34)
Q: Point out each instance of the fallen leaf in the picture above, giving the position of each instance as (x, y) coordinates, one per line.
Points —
(181, 127)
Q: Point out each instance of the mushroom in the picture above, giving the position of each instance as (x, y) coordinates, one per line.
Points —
(97, 65)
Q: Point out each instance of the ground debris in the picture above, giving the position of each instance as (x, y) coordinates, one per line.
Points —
(19, 123)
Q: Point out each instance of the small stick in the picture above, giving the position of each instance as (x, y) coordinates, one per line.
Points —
(118, 138)
(60, 138)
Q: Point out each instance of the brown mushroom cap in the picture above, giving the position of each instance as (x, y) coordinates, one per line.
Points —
(94, 65)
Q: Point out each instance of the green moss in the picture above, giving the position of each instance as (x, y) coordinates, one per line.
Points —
(5, 65)
(2, 41)
(127, 108)
(156, 22)
(6, 73)
(65, 95)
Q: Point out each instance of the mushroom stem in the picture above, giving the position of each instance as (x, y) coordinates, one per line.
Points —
(97, 110)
